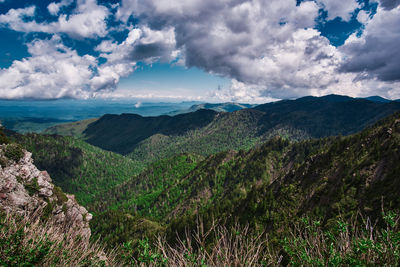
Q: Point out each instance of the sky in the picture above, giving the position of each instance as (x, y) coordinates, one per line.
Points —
(205, 50)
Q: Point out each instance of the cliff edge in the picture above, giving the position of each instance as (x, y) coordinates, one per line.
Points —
(27, 191)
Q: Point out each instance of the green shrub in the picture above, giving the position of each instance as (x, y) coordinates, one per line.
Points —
(32, 187)
(3, 138)
(61, 197)
(47, 211)
(14, 152)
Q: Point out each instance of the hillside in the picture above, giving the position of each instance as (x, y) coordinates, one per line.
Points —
(327, 180)
(236, 130)
(120, 133)
(70, 129)
(40, 225)
(330, 180)
(325, 116)
(280, 187)
(77, 167)
(207, 132)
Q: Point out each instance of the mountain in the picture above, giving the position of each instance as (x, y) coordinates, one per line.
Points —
(377, 98)
(325, 179)
(219, 107)
(205, 131)
(235, 130)
(76, 166)
(120, 133)
(325, 116)
(69, 129)
(297, 192)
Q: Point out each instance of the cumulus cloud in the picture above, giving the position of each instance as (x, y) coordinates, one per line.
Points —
(269, 48)
(56, 71)
(88, 20)
(53, 71)
(336, 8)
(375, 54)
(389, 4)
(54, 7)
(268, 45)
(144, 45)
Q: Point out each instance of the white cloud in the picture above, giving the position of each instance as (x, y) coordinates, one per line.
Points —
(87, 21)
(53, 71)
(56, 71)
(339, 8)
(375, 54)
(268, 48)
(54, 7)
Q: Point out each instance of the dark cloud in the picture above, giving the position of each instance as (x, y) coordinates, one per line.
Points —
(376, 53)
(145, 51)
(389, 4)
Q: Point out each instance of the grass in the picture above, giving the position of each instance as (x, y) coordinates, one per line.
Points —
(25, 241)
(352, 243)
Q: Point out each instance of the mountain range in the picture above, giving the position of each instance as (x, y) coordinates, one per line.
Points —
(206, 131)
(284, 169)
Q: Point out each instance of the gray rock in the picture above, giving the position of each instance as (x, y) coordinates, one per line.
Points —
(16, 177)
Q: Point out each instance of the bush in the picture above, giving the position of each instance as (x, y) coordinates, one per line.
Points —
(32, 187)
(61, 197)
(3, 138)
(14, 152)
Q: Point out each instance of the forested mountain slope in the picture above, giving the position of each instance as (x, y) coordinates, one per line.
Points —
(206, 132)
(76, 166)
(269, 187)
(338, 177)
(120, 133)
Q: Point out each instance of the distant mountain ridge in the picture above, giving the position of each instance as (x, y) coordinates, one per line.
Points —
(377, 98)
(205, 132)
(120, 133)
(220, 107)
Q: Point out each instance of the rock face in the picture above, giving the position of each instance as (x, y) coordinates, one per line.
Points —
(25, 190)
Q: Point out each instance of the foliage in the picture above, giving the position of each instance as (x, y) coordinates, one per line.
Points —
(3, 138)
(116, 227)
(344, 245)
(141, 193)
(121, 133)
(77, 167)
(60, 195)
(27, 242)
(307, 243)
(14, 152)
(32, 187)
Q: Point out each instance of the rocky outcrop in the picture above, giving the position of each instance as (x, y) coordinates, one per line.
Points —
(26, 191)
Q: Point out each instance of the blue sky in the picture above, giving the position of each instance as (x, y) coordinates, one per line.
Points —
(206, 50)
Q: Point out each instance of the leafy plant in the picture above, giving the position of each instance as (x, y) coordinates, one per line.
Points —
(14, 152)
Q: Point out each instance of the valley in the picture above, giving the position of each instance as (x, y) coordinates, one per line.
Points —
(331, 159)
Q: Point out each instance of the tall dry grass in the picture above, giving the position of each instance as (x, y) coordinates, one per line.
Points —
(30, 242)
(306, 243)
